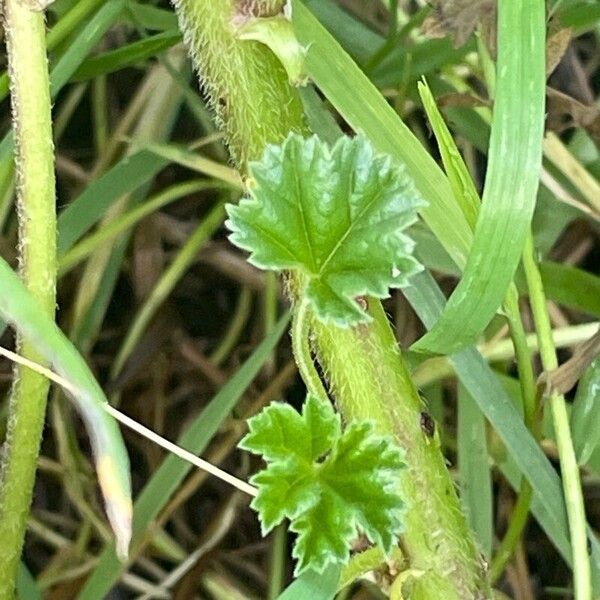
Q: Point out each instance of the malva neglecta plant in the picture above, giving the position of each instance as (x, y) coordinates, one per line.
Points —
(330, 484)
(337, 209)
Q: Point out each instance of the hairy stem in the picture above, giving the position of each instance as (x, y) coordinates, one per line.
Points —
(30, 98)
(368, 378)
(301, 348)
(246, 85)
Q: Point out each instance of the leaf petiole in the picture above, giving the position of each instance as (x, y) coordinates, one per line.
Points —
(302, 351)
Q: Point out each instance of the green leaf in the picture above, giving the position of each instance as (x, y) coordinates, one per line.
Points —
(585, 415)
(27, 587)
(19, 307)
(330, 484)
(511, 185)
(364, 108)
(126, 56)
(336, 215)
(474, 469)
(279, 432)
(313, 586)
(459, 177)
(87, 209)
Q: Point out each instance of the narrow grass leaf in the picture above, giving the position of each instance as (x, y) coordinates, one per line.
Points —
(75, 54)
(514, 163)
(572, 287)
(195, 162)
(478, 379)
(313, 586)
(581, 16)
(67, 24)
(545, 519)
(129, 219)
(474, 469)
(18, 307)
(87, 209)
(585, 414)
(320, 119)
(420, 59)
(151, 17)
(169, 278)
(460, 179)
(27, 587)
(355, 37)
(126, 56)
(89, 36)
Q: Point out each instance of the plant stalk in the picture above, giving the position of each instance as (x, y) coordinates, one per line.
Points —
(518, 518)
(370, 380)
(556, 402)
(30, 99)
(255, 106)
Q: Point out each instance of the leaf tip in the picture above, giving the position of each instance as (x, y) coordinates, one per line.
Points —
(117, 502)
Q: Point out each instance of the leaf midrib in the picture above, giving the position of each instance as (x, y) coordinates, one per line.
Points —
(348, 231)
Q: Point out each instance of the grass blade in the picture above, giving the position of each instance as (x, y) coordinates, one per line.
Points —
(572, 287)
(479, 380)
(512, 180)
(87, 209)
(126, 56)
(129, 219)
(585, 414)
(475, 476)
(456, 170)
(27, 588)
(89, 36)
(86, 40)
(312, 586)
(18, 307)
(195, 162)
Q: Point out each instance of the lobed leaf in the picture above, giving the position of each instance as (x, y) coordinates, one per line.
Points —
(336, 215)
(330, 484)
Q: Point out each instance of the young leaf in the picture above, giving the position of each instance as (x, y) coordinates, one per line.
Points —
(330, 484)
(336, 215)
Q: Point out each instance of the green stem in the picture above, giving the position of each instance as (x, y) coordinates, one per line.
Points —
(369, 380)
(520, 512)
(30, 97)
(256, 106)
(568, 461)
(278, 554)
(302, 352)
(247, 85)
